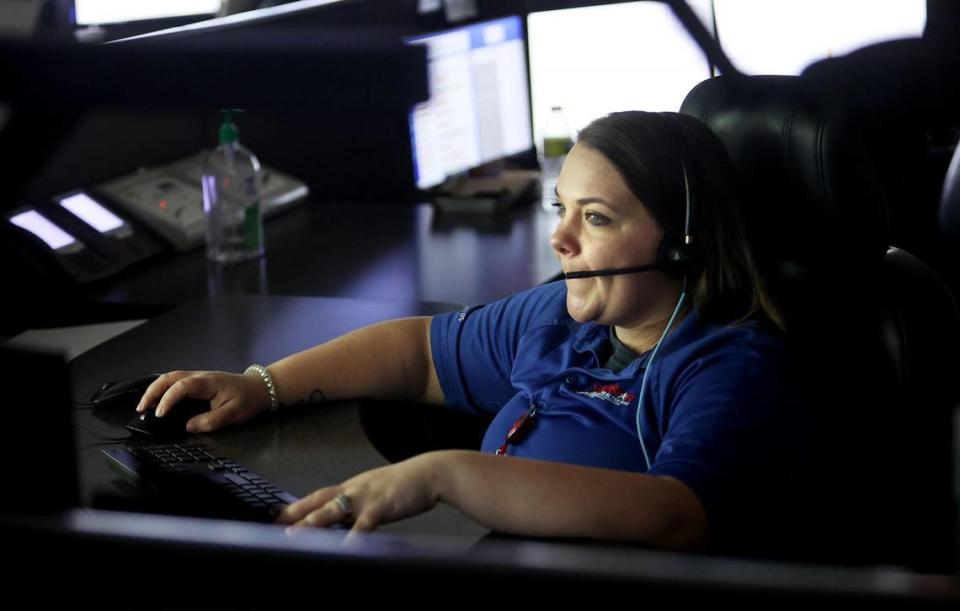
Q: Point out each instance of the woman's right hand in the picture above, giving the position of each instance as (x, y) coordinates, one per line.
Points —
(234, 398)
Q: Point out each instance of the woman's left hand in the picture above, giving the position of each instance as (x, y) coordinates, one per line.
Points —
(375, 497)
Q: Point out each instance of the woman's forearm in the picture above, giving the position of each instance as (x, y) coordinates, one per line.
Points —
(385, 360)
(548, 499)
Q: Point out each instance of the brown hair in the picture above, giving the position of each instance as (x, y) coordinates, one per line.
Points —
(651, 152)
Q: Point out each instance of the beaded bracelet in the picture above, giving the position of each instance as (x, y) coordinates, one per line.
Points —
(268, 380)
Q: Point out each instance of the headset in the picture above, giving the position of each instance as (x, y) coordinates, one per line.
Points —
(681, 259)
(684, 258)
(677, 258)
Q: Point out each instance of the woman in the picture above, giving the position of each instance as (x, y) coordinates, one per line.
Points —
(646, 406)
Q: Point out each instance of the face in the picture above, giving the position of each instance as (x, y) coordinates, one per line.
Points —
(603, 225)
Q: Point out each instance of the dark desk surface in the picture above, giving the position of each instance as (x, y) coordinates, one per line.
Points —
(228, 321)
(362, 250)
(397, 255)
(300, 450)
(315, 446)
(123, 560)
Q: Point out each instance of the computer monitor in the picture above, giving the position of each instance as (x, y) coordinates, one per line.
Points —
(595, 60)
(479, 106)
(102, 12)
(786, 36)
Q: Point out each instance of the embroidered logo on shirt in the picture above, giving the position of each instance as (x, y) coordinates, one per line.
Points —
(611, 393)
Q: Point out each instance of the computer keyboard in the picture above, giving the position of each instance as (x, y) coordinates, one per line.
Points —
(192, 480)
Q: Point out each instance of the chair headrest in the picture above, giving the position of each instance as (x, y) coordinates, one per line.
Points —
(813, 195)
(950, 200)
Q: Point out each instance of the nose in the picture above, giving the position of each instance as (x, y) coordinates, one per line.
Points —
(563, 241)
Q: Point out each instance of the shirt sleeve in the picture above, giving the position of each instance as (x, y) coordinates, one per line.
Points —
(737, 437)
(474, 349)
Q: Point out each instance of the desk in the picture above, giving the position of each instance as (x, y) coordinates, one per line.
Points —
(362, 250)
(312, 447)
(301, 450)
(316, 446)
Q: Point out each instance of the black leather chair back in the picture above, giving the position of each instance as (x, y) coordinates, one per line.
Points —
(948, 223)
(873, 327)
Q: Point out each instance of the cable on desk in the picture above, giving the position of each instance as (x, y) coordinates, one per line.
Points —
(93, 446)
(105, 438)
(81, 405)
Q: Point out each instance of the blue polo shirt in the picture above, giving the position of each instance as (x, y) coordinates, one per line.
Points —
(721, 412)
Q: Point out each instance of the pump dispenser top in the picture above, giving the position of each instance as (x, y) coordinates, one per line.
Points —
(229, 132)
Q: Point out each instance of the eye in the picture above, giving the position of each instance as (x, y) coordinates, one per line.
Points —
(559, 208)
(596, 219)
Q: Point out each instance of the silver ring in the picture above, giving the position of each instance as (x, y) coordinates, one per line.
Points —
(343, 501)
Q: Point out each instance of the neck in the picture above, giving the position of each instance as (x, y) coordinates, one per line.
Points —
(643, 339)
(644, 336)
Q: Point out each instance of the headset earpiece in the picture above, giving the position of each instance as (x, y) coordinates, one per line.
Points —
(677, 259)
(682, 258)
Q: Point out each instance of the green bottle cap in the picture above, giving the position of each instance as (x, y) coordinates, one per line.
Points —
(228, 129)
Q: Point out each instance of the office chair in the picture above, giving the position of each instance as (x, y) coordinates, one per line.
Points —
(401, 430)
(948, 223)
(907, 98)
(872, 326)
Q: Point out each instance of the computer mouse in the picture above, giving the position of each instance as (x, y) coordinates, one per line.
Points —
(173, 425)
(122, 394)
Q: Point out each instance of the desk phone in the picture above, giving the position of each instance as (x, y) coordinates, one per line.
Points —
(76, 234)
(169, 199)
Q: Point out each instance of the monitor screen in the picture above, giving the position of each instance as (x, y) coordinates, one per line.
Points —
(786, 36)
(595, 60)
(479, 106)
(100, 12)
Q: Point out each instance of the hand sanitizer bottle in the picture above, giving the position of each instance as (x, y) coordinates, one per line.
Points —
(231, 202)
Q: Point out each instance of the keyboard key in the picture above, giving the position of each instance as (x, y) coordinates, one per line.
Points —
(236, 479)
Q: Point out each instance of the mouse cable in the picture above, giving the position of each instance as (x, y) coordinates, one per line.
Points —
(98, 444)
(114, 439)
